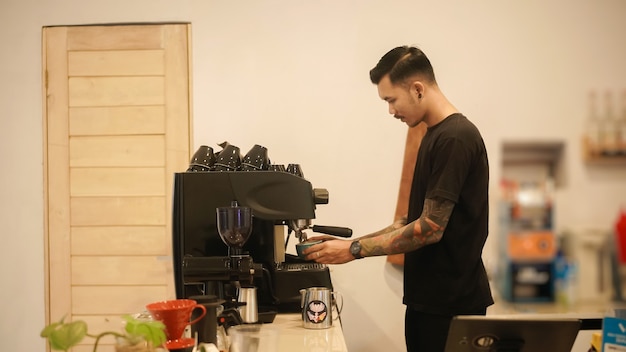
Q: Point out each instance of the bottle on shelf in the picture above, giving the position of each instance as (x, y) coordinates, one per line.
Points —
(621, 127)
(608, 130)
(592, 131)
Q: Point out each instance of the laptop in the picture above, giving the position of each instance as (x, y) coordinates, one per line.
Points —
(470, 333)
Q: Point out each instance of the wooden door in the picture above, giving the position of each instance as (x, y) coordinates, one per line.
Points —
(117, 127)
(412, 144)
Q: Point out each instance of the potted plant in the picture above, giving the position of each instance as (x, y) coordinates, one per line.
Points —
(139, 335)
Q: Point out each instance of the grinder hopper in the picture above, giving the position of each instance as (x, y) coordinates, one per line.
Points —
(234, 225)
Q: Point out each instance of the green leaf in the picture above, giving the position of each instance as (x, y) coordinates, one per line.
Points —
(64, 336)
(45, 332)
(151, 331)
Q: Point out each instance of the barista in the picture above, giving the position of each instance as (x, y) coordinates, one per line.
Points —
(445, 229)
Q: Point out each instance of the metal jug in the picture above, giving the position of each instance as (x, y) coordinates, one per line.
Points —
(317, 305)
(249, 312)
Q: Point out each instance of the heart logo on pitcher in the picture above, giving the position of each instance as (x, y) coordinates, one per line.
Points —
(316, 312)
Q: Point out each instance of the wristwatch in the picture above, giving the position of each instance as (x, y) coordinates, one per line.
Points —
(355, 249)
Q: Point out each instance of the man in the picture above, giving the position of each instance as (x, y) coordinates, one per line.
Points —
(447, 222)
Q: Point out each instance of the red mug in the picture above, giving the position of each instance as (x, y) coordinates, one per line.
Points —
(175, 315)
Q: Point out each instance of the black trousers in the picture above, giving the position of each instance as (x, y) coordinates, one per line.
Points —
(424, 332)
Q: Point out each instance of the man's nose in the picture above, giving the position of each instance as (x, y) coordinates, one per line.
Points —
(392, 111)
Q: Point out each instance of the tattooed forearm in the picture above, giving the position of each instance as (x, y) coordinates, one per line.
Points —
(396, 225)
(427, 229)
(400, 222)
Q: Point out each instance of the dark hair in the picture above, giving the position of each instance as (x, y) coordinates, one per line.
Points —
(401, 63)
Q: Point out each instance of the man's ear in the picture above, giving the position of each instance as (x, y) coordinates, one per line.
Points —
(417, 88)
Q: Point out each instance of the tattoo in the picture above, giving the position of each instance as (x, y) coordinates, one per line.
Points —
(380, 232)
(427, 229)
(400, 222)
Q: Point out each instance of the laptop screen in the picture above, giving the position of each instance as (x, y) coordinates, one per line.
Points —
(518, 334)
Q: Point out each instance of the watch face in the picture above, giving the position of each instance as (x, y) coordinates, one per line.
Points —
(355, 249)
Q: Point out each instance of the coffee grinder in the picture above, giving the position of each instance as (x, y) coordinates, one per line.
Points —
(226, 274)
(234, 225)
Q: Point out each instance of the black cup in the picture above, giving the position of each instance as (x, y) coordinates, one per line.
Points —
(197, 168)
(295, 169)
(229, 159)
(256, 159)
(278, 167)
(203, 159)
(207, 326)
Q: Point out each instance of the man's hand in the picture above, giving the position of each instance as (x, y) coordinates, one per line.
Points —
(331, 251)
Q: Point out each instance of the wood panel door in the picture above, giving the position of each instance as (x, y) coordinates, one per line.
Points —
(117, 127)
(412, 144)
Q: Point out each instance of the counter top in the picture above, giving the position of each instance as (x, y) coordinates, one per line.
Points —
(292, 336)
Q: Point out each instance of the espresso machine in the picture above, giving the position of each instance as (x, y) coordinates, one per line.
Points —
(281, 203)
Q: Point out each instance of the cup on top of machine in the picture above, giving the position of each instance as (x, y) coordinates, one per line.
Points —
(256, 159)
(229, 158)
(278, 167)
(202, 160)
(295, 169)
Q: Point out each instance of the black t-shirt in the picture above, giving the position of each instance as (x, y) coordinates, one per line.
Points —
(449, 277)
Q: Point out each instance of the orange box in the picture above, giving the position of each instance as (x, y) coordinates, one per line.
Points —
(531, 245)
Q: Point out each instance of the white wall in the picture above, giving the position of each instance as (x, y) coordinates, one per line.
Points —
(292, 75)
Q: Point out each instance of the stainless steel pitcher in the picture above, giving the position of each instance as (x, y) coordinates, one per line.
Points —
(317, 307)
(249, 312)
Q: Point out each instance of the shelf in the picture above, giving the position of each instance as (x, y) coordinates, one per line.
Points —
(598, 158)
(532, 152)
(534, 160)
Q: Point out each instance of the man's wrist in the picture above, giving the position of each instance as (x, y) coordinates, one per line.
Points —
(355, 249)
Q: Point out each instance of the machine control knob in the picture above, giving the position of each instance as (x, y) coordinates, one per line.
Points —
(320, 195)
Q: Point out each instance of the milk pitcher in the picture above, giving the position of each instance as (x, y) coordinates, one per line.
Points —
(317, 307)
(249, 312)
